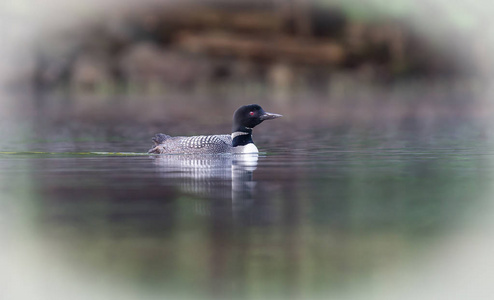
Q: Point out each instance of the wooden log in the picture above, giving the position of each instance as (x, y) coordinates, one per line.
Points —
(293, 49)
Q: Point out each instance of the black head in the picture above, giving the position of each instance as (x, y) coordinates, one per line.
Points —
(249, 116)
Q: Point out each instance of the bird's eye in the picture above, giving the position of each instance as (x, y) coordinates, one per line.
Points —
(251, 113)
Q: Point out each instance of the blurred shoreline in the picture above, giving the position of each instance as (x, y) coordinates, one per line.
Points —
(284, 44)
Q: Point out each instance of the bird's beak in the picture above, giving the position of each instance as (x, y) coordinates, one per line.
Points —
(269, 116)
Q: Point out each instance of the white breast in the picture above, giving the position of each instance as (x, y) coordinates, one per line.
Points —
(249, 148)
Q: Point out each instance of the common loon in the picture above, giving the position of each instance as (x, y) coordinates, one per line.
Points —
(240, 141)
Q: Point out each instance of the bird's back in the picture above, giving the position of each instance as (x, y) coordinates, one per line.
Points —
(200, 144)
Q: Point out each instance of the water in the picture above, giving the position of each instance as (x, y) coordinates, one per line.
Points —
(349, 214)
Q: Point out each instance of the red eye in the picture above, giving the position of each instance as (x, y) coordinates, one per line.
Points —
(251, 113)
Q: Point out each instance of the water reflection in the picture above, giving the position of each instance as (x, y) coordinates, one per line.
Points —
(225, 179)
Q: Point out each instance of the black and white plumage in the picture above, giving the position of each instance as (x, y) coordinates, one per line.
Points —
(191, 144)
(240, 141)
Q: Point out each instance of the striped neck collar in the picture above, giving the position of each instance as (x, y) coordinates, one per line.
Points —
(241, 138)
(239, 133)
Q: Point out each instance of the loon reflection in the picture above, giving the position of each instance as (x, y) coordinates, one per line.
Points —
(216, 177)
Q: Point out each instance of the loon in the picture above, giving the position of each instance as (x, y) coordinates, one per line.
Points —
(240, 141)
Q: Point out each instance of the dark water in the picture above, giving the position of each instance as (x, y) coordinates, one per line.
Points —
(328, 218)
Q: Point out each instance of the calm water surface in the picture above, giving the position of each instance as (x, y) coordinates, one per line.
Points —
(329, 217)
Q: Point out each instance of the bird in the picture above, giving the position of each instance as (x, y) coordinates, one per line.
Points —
(238, 142)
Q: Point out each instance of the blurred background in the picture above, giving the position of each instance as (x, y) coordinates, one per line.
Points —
(355, 63)
(374, 185)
